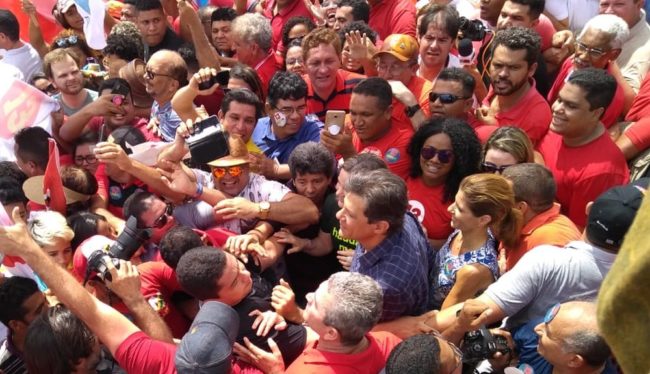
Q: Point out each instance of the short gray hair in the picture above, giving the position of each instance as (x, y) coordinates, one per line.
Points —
(254, 28)
(614, 26)
(384, 195)
(357, 305)
(46, 226)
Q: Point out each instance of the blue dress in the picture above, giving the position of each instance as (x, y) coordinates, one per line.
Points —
(447, 264)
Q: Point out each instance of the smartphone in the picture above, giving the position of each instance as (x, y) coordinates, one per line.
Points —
(334, 121)
(120, 91)
(222, 78)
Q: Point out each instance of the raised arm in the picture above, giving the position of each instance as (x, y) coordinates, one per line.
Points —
(205, 52)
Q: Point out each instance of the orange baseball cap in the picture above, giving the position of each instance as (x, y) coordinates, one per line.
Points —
(402, 47)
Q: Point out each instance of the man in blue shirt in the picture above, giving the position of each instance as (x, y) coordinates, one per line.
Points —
(392, 249)
(286, 126)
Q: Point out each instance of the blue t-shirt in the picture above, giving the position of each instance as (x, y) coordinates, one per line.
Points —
(168, 120)
(280, 149)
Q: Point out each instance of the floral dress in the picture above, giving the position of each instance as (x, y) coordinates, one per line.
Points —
(447, 264)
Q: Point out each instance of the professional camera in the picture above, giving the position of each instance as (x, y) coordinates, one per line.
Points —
(472, 29)
(122, 249)
(208, 142)
(481, 345)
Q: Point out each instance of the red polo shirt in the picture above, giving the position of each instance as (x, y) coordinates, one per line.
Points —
(339, 99)
(295, 9)
(583, 173)
(612, 112)
(391, 148)
(531, 114)
(393, 17)
(265, 70)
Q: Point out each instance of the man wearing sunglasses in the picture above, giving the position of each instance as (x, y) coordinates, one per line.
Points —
(598, 46)
(548, 275)
(286, 126)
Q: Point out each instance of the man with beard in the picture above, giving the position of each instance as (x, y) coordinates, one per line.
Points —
(61, 67)
(110, 110)
(512, 99)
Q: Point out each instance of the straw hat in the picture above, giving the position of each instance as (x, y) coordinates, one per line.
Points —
(238, 154)
(33, 188)
(133, 72)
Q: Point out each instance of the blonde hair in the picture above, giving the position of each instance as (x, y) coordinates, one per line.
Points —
(492, 195)
(512, 140)
(46, 226)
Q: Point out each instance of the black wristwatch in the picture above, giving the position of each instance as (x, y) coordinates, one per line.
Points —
(410, 111)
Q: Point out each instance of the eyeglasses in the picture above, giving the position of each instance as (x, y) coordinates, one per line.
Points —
(592, 52)
(551, 313)
(445, 98)
(458, 354)
(294, 61)
(88, 159)
(288, 111)
(66, 42)
(234, 171)
(444, 155)
(164, 218)
(489, 167)
(393, 69)
(149, 74)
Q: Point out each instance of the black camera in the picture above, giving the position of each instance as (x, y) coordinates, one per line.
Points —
(481, 345)
(222, 77)
(208, 142)
(472, 29)
(122, 249)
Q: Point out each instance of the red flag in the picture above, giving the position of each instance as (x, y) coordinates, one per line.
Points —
(52, 184)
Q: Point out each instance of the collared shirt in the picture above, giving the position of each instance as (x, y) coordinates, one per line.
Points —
(548, 227)
(280, 149)
(265, 70)
(401, 265)
(531, 113)
(339, 99)
(296, 8)
(634, 59)
(393, 17)
(168, 120)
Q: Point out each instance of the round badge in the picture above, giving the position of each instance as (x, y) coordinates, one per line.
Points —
(392, 155)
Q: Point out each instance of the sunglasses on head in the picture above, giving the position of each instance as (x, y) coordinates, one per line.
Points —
(234, 171)
(551, 313)
(67, 42)
(164, 218)
(489, 167)
(444, 155)
(445, 98)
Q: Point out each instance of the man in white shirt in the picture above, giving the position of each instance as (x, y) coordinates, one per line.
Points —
(14, 51)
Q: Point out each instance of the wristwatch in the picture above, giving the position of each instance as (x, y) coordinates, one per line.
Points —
(264, 209)
(410, 111)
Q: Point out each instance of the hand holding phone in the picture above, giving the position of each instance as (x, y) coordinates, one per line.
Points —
(334, 121)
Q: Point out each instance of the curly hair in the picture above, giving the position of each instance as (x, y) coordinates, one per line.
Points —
(518, 38)
(464, 143)
(124, 41)
(291, 23)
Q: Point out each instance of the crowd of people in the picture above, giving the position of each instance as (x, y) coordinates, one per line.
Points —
(328, 186)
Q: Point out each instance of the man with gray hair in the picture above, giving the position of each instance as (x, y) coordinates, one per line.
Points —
(251, 36)
(391, 247)
(598, 46)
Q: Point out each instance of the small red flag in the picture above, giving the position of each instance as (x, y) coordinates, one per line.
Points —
(52, 184)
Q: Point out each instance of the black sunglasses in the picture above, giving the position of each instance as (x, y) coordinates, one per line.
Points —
(445, 98)
(164, 218)
(489, 167)
(444, 155)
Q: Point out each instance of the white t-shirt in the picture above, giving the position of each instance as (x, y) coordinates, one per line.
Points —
(548, 275)
(25, 58)
(577, 11)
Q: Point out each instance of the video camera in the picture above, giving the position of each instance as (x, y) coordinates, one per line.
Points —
(481, 345)
(122, 249)
(472, 29)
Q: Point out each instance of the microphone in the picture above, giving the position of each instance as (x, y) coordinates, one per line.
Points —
(465, 51)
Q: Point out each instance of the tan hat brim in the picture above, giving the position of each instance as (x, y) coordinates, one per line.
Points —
(228, 161)
(33, 188)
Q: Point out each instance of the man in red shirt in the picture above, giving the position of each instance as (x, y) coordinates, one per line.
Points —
(252, 40)
(584, 160)
(397, 61)
(328, 86)
(636, 137)
(597, 46)
(513, 99)
(372, 129)
(392, 17)
(279, 12)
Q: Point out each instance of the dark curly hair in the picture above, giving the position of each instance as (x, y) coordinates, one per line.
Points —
(293, 21)
(518, 38)
(465, 144)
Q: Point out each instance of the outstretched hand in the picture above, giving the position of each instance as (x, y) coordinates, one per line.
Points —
(15, 240)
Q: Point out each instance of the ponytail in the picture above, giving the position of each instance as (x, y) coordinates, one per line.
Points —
(508, 229)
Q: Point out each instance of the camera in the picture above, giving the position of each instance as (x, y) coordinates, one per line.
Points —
(208, 142)
(472, 29)
(480, 345)
(222, 77)
(122, 249)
